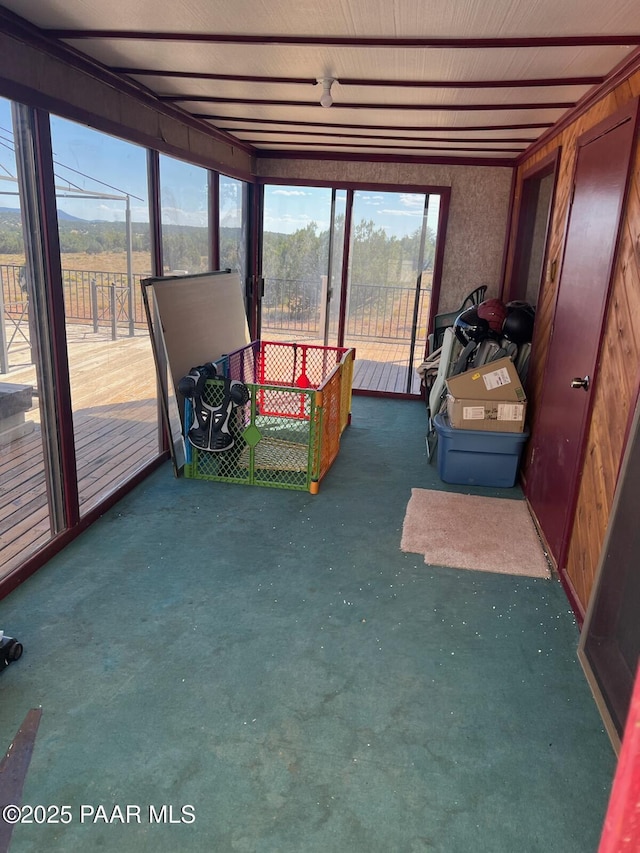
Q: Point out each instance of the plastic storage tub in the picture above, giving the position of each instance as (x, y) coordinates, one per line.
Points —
(471, 457)
(288, 434)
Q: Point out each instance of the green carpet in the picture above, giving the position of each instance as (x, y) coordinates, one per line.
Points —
(273, 660)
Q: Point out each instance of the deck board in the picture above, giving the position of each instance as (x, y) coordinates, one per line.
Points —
(113, 389)
(380, 366)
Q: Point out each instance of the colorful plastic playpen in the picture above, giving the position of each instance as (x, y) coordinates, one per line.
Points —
(288, 433)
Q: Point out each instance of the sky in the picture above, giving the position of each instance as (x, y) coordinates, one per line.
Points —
(99, 165)
(398, 213)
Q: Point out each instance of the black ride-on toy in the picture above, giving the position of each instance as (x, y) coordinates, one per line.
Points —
(10, 650)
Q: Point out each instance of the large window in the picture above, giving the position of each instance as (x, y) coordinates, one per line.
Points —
(103, 222)
(233, 225)
(25, 516)
(184, 196)
(70, 297)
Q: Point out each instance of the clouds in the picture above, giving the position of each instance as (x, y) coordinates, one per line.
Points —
(412, 200)
(391, 212)
(289, 192)
(180, 216)
(289, 223)
(387, 210)
(288, 209)
(411, 204)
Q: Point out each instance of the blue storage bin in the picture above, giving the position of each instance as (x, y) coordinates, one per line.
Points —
(470, 457)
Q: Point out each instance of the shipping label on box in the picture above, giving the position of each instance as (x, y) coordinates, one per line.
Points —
(486, 415)
(511, 412)
(497, 380)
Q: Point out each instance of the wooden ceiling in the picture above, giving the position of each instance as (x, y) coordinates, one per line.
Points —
(461, 80)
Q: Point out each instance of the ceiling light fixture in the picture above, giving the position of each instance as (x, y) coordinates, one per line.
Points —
(327, 82)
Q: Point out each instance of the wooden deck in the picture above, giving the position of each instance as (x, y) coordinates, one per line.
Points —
(113, 388)
(115, 428)
(109, 445)
(383, 368)
(380, 366)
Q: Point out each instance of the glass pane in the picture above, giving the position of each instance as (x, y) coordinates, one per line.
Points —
(233, 225)
(184, 198)
(25, 519)
(103, 220)
(295, 260)
(337, 255)
(536, 204)
(392, 245)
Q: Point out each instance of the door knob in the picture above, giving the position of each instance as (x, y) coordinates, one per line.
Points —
(580, 383)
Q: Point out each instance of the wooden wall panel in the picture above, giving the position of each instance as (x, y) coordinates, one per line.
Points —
(617, 381)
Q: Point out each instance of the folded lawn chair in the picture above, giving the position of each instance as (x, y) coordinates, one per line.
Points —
(435, 395)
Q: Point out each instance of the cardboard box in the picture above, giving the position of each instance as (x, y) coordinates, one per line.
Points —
(486, 415)
(497, 380)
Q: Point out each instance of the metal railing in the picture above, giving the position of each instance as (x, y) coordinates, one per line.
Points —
(85, 293)
(376, 312)
(102, 299)
(105, 299)
(293, 306)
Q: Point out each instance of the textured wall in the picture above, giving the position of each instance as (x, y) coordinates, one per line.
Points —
(477, 215)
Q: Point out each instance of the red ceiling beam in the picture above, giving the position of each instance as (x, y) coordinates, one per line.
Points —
(628, 66)
(420, 128)
(347, 41)
(531, 105)
(191, 75)
(373, 157)
(356, 81)
(415, 148)
(253, 130)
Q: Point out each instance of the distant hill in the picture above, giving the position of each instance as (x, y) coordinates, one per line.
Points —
(184, 246)
(61, 214)
(68, 217)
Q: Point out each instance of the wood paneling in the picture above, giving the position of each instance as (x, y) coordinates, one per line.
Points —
(618, 376)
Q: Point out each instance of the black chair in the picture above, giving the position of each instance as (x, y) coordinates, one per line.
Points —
(445, 321)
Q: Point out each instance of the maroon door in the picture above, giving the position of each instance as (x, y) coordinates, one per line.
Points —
(599, 190)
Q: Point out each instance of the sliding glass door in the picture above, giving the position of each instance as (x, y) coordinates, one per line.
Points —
(390, 271)
(103, 230)
(352, 268)
(30, 503)
(295, 263)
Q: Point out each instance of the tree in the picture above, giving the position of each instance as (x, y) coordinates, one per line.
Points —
(293, 265)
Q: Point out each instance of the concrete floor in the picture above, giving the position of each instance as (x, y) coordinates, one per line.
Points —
(271, 666)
